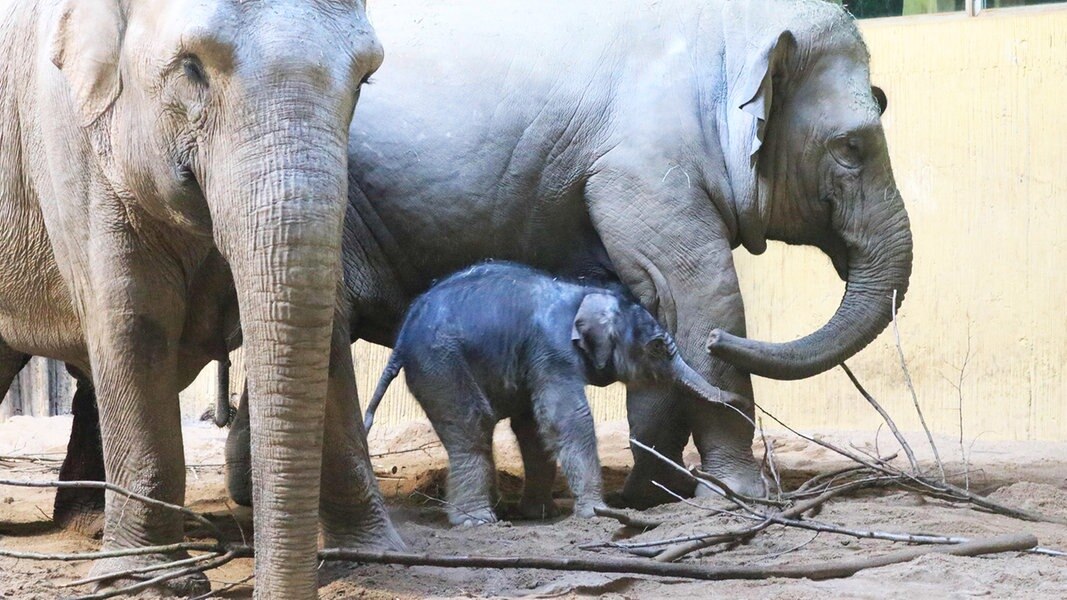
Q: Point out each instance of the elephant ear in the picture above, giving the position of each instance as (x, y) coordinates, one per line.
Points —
(85, 46)
(756, 76)
(880, 98)
(596, 328)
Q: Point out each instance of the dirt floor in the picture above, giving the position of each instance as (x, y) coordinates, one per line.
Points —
(411, 466)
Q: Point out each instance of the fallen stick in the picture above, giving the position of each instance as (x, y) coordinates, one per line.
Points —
(627, 519)
(165, 577)
(139, 551)
(816, 571)
(103, 485)
(140, 570)
(797, 510)
(885, 417)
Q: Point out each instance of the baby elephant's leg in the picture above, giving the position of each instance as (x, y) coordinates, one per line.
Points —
(539, 470)
(471, 473)
(566, 424)
(457, 409)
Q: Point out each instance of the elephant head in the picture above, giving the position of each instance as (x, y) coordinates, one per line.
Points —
(808, 164)
(229, 121)
(623, 342)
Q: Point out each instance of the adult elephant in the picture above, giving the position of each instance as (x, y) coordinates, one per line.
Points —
(641, 140)
(165, 166)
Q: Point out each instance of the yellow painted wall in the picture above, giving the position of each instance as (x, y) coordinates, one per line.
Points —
(977, 127)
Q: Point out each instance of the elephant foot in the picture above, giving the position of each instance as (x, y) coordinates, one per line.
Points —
(471, 518)
(587, 509)
(382, 536)
(531, 508)
(195, 584)
(741, 475)
(640, 493)
(80, 511)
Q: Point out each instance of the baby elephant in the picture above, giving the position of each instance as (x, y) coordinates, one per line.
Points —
(500, 341)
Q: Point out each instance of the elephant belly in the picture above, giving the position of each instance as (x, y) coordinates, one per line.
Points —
(36, 314)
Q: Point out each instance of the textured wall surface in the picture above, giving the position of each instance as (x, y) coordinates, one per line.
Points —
(978, 133)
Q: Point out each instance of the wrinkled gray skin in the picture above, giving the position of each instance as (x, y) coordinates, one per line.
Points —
(502, 341)
(148, 149)
(638, 140)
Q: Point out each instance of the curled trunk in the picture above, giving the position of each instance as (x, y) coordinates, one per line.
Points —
(879, 265)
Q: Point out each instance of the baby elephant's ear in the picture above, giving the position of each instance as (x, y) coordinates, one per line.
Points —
(596, 327)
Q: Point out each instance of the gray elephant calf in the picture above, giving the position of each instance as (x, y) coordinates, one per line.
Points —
(500, 341)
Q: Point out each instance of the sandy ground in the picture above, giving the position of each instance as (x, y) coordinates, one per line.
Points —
(411, 467)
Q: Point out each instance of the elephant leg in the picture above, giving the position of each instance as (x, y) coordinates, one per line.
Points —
(352, 510)
(538, 469)
(239, 455)
(656, 416)
(11, 362)
(471, 475)
(671, 247)
(566, 423)
(457, 409)
(134, 314)
(82, 509)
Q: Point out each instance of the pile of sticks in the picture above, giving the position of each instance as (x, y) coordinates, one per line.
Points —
(793, 509)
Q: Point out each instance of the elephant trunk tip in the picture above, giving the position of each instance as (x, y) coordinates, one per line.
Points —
(715, 339)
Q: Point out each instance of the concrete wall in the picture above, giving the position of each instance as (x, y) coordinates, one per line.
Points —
(978, 133)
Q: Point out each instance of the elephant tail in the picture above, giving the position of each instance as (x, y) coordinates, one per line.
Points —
(392, 369)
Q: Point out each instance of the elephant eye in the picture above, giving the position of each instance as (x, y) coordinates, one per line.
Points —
(194, 70)
(847, 150)
(661, 348)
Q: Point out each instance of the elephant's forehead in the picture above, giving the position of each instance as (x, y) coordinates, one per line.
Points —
(186, 21)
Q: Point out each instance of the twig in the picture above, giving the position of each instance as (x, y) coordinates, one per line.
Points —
(675, 552)
(148, 583)
(422, 448)
(885, 417)
(225, 588)
(826, 570)
(911, 389)
(710, 482)
(768, 461)
(627, 519)
(139, 551)
(825, 444)
(959, 408)
(103, 485)
(140, 570)
(786, 551)
(447, 504)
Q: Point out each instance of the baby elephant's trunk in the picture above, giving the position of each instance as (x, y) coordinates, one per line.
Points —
(692, 381)
(392, 369)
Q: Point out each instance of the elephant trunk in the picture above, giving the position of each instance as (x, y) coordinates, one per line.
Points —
(879, 260)
(692, 381)
(281, 233)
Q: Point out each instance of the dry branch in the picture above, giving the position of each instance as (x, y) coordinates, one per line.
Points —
(161, 579)
(626, 518)
(103, 485)
(119, 553)
(825, 570)
(885, 417)
(140, 570)
(911, 388)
